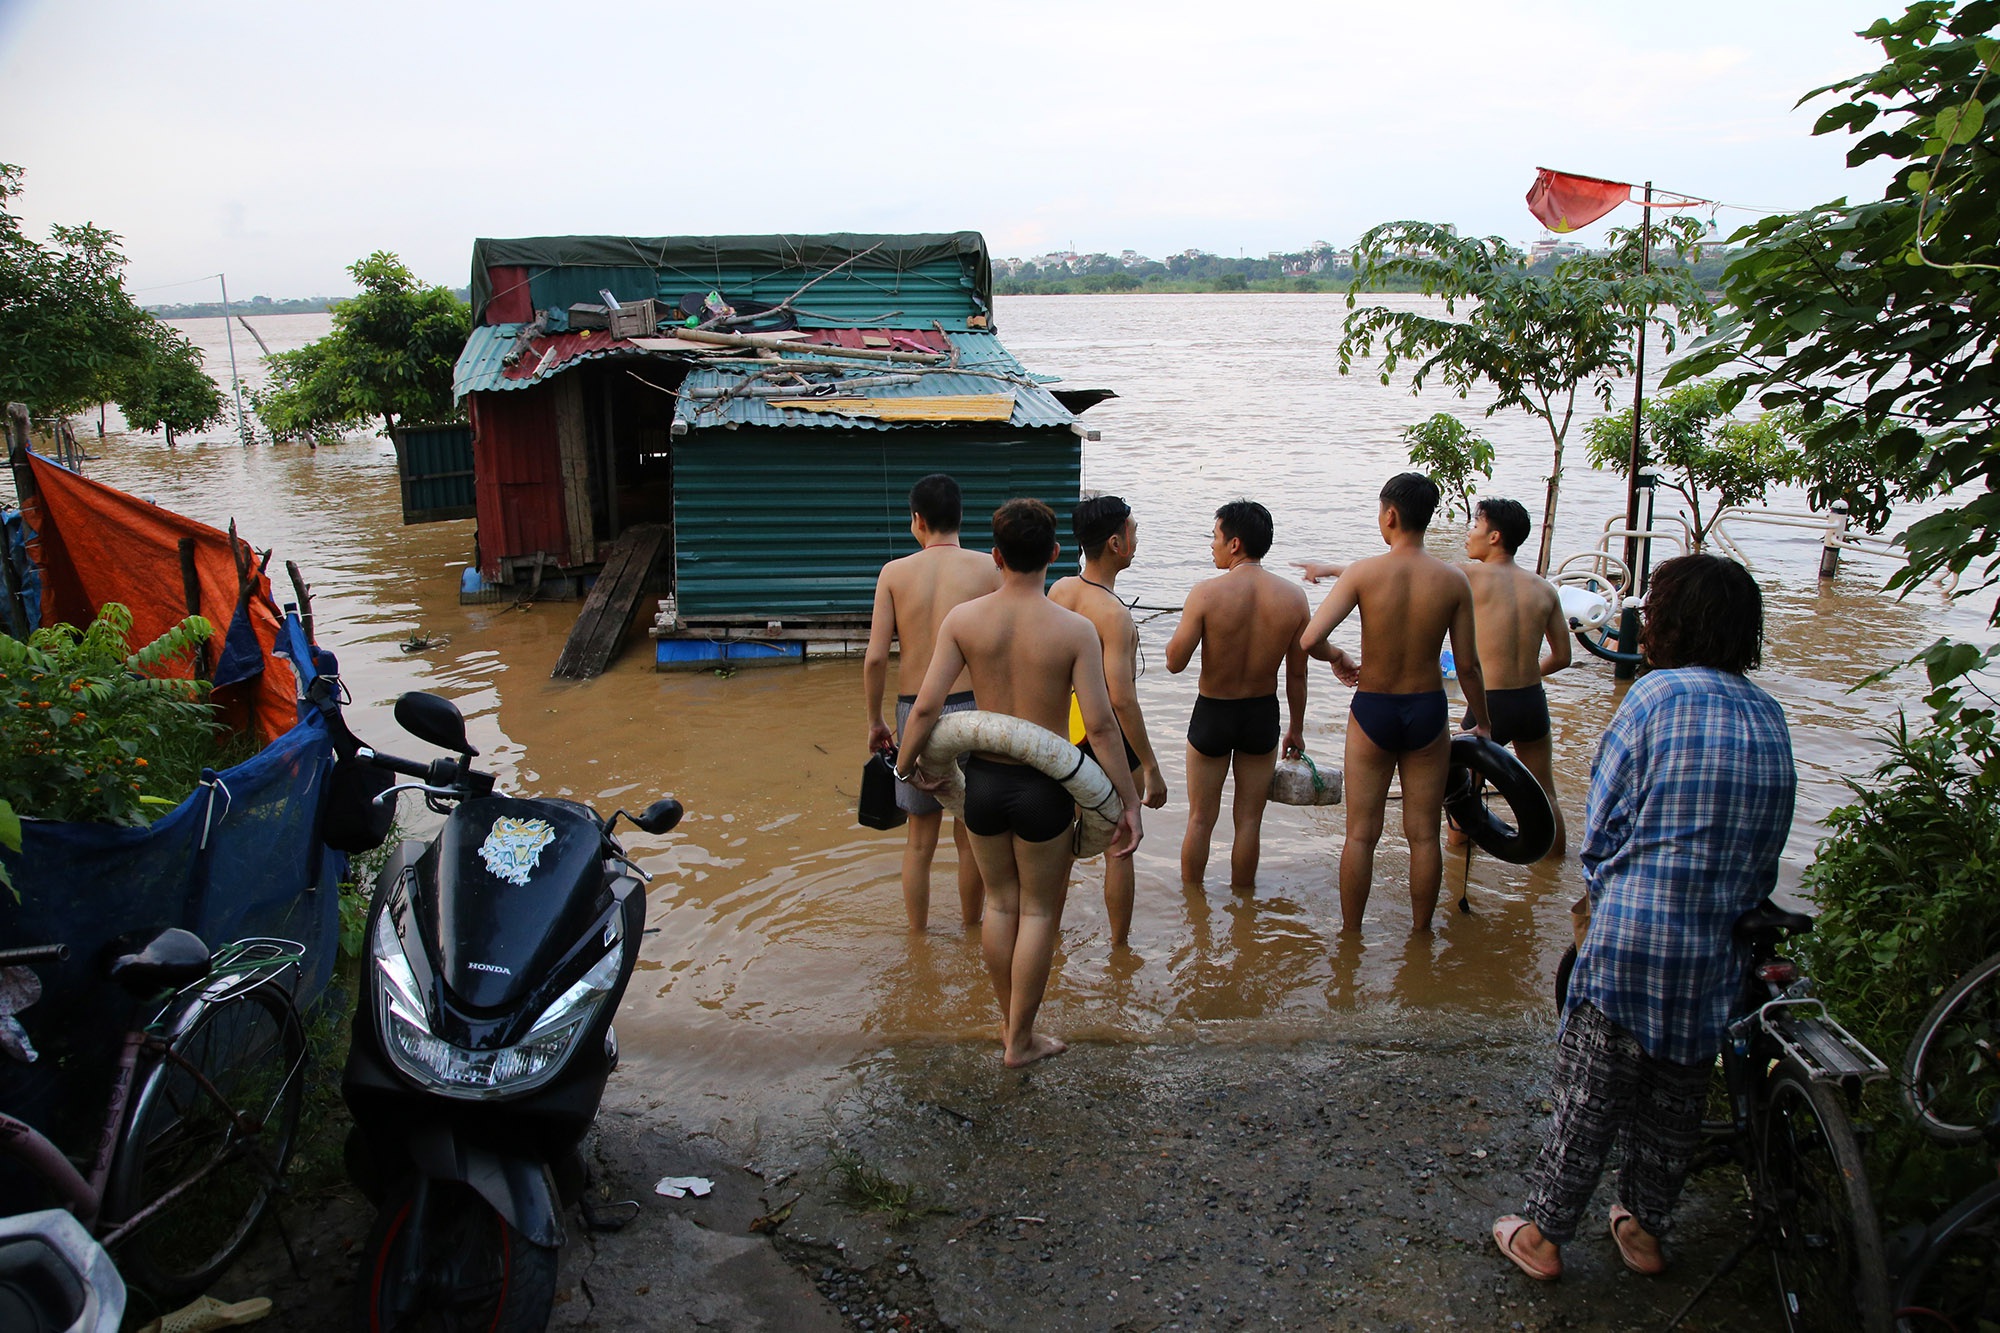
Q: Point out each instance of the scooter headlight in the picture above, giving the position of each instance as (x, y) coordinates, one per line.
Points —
(454, 1071)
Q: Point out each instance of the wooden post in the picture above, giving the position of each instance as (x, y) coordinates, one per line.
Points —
(305, 596)
(204, 660)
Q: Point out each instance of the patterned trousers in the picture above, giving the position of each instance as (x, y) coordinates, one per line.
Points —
(1607, 1090)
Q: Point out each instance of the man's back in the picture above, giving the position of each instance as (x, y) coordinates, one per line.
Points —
(1408, 600)
(923, 587)
(1021, 653)
(1250, 619)
(1512, 609)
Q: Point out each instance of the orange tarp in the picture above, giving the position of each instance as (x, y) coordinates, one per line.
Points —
(96, 545)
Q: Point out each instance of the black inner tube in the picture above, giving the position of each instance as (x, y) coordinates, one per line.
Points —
(1478, 763)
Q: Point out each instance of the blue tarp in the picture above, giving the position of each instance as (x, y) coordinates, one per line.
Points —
(14, 550)
(239, 857)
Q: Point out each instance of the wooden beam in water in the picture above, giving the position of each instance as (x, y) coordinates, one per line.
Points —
(608, 610)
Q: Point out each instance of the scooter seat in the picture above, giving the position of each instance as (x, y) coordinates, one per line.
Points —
(168, 961)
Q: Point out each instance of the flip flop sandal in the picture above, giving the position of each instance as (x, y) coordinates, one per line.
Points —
(1504, 1232)
(206, 1314)
(1620, 1213)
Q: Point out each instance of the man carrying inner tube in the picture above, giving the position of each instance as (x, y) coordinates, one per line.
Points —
(1515, 610)
(1690, 804)
(1399, 723)
(1025, 655)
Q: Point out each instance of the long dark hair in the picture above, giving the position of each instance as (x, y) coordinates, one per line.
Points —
(1704, 611)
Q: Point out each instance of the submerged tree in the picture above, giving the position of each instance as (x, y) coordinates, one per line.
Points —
(1536, 336)
(1699, 450)
(70, 328)
(1877, 324)
(168, 389)
(1451, 455)
(390, 355)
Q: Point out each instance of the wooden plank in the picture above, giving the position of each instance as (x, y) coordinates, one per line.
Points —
(608, 610)
(574, 467)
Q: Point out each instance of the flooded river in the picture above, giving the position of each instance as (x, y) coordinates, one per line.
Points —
(780, 953)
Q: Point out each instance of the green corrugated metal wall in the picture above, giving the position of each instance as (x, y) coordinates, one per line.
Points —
(940, 291)
(436, 467)
(799, 523)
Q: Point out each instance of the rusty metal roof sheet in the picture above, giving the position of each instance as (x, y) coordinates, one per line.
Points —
(984, 367)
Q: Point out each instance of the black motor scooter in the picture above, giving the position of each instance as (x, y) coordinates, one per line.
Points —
(493, 961)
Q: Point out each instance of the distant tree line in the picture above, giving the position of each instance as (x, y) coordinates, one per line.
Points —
(264, 305)
(1197, 272)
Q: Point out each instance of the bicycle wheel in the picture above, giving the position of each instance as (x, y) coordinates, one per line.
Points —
(1812, 1196)
(1951, 1071)
(461, 1268)
(250, 1047)
(1953, 1282)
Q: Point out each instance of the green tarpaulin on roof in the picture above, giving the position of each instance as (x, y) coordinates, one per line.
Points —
(686, 263)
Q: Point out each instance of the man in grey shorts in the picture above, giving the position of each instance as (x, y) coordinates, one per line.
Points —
(911, 798)
(912, 595)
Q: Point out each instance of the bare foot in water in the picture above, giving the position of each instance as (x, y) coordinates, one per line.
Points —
(1040, 1047)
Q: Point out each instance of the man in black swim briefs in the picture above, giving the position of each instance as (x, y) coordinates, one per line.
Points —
(1025, 656)
(1108, 535)
(1246, 624)
(1517, 612)
(1399, 724)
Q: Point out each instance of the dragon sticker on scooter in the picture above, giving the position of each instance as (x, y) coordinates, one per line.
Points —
(513, 847)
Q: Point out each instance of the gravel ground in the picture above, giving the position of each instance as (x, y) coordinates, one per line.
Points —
(1324, 1184)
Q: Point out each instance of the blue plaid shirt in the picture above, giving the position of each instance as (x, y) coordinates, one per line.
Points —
(1690, 802)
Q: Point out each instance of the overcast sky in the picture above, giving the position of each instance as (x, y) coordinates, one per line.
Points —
(280, 141)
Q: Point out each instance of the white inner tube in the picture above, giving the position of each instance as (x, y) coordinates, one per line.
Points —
(1098, 806)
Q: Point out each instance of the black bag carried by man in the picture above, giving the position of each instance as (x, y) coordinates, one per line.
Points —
(878, 793)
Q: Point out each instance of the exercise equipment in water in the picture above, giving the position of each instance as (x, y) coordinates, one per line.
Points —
(1477, 764)
(1097, 805)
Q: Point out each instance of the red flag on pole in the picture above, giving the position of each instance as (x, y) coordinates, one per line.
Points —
(1564, 202)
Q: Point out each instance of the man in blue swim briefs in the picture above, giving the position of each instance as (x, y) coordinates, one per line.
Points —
(1399, 723)
(1025, 656)
(1246, 622)
(1516, 612)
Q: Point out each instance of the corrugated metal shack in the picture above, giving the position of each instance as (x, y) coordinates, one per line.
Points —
(769, 409)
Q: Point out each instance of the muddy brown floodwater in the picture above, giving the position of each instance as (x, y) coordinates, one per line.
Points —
(780, 991)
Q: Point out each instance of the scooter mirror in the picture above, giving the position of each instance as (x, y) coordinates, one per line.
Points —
(433, 719)
(660, 816)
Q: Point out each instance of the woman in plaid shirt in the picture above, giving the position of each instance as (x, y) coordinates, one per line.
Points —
(1690, 804)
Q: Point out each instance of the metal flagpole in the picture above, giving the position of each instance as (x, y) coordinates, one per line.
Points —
(236, 381)
(1628, 622)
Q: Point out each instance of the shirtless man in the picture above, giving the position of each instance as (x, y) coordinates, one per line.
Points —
(1516, 611)
(1108, 536)
(1026, 656)
(1409, 600)
(1246, 622)
(912, 595)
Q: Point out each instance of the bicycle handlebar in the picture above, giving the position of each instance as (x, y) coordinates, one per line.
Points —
(35, 953)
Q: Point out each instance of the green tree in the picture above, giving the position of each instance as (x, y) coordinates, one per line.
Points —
(1699, 450)
(1536, 336)
(1877, 323)
(1451, 455)
(70, 329)
(390, 355)
(167, 389)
